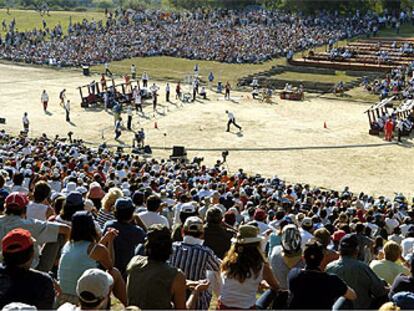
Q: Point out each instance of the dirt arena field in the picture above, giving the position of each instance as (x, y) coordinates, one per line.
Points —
(286, 138)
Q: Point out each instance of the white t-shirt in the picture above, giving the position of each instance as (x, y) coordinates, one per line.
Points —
(45, 97)
(230, 115)
(37, 210)
(240, 295)
(152, 218)
(391, 224)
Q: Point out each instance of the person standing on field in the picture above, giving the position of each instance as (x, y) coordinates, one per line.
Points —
(118, 128)
(227, 91)
(129, 114)
(133, 72)
(26, 123)
(62, 96)
(388, 129)
(231, 120)
(178, 91)
(167, 92)
(44, 99)
(67, 110)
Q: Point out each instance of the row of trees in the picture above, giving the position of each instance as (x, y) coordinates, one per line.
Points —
(306, 6)
(52, 4)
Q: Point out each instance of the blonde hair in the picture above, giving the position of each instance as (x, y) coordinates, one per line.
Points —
(392, 251)
(109, 199)
(389, 306)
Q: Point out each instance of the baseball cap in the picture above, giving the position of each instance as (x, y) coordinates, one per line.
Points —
(158, 233)
(188, 208)
(17, 240)
(18, 306)
(259, 214)
(404, 300)
(349, 241)
(71, 186)
(338, 235)
(16, 200)
(291, 239)
(193, 224)
(95, 191)
(93, 285)
(74, 198)
(123, 203)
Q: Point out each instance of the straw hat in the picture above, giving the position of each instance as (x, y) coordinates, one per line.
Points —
(247, 235)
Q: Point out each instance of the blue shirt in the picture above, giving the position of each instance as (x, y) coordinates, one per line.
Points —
(125, 243)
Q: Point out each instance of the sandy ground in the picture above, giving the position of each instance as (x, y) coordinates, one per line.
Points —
(286, 138)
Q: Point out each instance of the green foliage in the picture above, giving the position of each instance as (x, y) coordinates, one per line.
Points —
(104, 4)
(231, 4)
(330, 5)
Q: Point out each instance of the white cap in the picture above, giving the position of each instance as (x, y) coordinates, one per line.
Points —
(18, 306)
(188, 207)
(71, 186)
(96, 282)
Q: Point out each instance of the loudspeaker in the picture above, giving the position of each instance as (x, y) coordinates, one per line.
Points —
(2, 120)
(178, 151)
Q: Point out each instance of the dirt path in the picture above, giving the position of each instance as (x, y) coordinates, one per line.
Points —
(286, 138)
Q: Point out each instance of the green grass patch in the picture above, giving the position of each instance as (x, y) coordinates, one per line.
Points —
(324, 78)
(29, 19)
(363, 95)
(176, 69)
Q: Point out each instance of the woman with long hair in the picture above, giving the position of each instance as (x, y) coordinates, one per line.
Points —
(85, 251)
(243, 270)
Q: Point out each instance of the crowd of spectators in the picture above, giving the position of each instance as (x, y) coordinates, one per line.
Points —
(81, 225)
(399, 83)
(220, 35)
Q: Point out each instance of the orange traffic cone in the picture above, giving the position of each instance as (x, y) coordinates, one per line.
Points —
(324, 125)
(155, 125)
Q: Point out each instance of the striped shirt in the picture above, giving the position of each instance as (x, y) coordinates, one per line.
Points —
(103, 217)
(194, 260)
